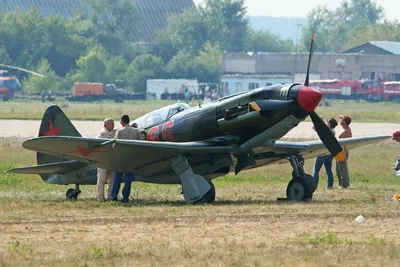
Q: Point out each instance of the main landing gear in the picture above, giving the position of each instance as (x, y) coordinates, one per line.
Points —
(302, 186)
(73, 193)
(196, 189)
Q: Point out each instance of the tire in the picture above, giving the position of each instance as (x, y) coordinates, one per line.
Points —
(209, 197)
(300, 189)
(71, 194)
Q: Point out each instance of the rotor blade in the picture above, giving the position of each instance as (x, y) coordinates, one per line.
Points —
(327, 137)
(28, 71)
(263, 105)
(313, 38)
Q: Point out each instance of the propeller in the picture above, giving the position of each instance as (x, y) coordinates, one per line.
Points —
(25, 70)
(323, 131)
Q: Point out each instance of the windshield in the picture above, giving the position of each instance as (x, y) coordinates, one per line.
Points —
(368, 85)
(158, 116)
(163, 114)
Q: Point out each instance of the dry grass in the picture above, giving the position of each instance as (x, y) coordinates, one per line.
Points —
(245, 227)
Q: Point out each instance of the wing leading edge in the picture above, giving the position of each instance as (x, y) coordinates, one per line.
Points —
(120, 155)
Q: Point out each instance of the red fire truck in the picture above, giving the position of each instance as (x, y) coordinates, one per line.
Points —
(369, 90)
(391, 91)
(335, 89)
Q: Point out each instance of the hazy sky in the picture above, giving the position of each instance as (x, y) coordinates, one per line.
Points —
(297, 8)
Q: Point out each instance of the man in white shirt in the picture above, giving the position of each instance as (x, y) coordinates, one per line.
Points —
(104, 175)
(129, 133)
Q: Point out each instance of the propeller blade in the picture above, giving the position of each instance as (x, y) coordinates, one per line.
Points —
(313, 38)
(327, 137)
(263, 105)
(28, 71)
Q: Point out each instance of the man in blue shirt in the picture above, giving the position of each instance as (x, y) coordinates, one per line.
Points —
(325, 160)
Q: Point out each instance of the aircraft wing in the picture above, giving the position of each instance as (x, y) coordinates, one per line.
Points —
(51, 168)
(312, 149)
(120, 155)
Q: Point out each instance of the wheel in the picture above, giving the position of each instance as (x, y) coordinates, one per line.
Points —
(300, 189)
(209, 197)
(72, 194)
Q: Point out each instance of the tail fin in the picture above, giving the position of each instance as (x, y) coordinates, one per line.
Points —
(54, 123)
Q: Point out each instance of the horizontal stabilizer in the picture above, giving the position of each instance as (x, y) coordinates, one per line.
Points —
(51, 168)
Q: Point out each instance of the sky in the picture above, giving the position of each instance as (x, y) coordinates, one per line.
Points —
(297, 8)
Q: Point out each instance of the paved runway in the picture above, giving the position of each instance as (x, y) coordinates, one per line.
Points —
(30, 128)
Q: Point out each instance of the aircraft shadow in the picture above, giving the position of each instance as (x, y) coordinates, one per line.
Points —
(180, 203)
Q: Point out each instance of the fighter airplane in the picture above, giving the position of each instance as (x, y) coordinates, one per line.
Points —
(193, 145)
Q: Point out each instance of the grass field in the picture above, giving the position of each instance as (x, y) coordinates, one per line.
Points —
(360, 112)
(244, 227)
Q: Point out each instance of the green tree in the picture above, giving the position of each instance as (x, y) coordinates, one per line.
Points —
(114, 20)
(359, 12)
(65, 45)
(141, 69)
(335, 27)
(209, 63)
(185, 31)
(92, 67)
(182, 66)
(35, 83)
(265, 41)
(22, 37)
(318, 23)
(385, 31)
(4, 57)
(227, 23)
(116, 68)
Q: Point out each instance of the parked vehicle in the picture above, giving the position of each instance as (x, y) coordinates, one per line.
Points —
(369, 90)
(8, 85)
(89, 92)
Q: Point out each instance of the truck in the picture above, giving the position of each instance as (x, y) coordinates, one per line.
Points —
(391, 91)
(369, 90)
(334, 88)
(8, 85)
(89, 92)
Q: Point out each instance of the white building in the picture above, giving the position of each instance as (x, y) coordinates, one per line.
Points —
(236, 83)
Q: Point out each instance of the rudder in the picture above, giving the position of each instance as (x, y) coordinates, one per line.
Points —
(54, 123)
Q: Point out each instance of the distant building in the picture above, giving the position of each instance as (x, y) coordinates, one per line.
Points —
(376, 48)
(236, 83)
(154, 13)
(344, 66)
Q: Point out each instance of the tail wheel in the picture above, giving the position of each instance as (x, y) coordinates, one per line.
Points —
(300, 189)
(72, 194)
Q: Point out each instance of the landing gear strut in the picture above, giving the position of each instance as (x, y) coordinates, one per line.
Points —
(72, 193)
(301, 187)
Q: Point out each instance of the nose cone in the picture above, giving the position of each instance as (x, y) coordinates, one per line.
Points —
(309, 98)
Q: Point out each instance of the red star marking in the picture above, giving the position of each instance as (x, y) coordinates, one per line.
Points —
(84, 151)
(52, 130)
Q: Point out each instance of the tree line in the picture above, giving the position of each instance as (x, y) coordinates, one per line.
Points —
(351, 24)
(103, 46)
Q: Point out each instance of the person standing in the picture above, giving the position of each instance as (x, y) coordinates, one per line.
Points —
(105, 176)
(325, 160)
(342, 170)
(396, 137)
(128, 133)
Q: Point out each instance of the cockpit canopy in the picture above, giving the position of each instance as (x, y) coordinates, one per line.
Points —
(160, 115)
